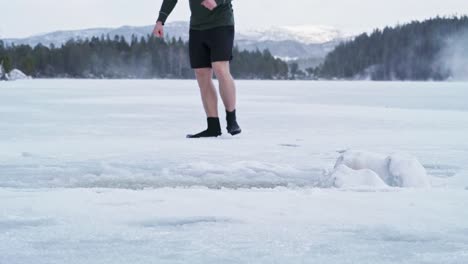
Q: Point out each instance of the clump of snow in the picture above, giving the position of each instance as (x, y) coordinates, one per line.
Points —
(398, 170)
(407, 171)
(345, 177)
(359, 160)
(16, 74)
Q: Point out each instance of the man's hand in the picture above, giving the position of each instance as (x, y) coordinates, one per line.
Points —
(210, 4)
(159, 30)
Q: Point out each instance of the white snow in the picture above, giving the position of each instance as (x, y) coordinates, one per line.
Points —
(407, 171)
(199, 225)
(15, 75)
(345, 177)
(398, 169)
(99, 171)
(359, 160)
(286, 58)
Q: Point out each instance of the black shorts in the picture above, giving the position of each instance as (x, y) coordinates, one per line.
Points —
(210, 45)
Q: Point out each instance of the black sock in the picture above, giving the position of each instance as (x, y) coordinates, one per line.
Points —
(213, 130)
(233, 127)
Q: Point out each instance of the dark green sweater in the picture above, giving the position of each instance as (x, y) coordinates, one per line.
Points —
(202, 18)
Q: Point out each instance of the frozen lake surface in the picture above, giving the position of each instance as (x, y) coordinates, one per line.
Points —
(99, 171)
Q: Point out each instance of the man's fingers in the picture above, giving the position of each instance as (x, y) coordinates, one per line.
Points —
(208, 5)
(158, 32)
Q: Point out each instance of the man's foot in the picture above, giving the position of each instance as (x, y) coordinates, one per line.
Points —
(213, 130)
(233, 127)
(205, 134)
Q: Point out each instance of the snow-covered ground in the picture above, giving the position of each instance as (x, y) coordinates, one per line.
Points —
(95, 171)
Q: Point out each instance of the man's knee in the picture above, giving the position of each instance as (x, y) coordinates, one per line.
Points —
(203, 73)
(221, 70)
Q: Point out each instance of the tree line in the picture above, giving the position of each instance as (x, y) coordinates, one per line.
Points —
(147, 57)
(412, 51)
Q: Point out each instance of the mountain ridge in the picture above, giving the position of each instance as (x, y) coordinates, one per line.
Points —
(305, 42)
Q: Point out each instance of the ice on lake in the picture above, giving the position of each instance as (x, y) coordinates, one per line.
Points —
(99, 171)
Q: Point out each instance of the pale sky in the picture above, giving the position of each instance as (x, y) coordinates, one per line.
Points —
(21, 18)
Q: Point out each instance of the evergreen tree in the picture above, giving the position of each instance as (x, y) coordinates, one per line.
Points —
(405, 52)
(147, 57)
(294, 70)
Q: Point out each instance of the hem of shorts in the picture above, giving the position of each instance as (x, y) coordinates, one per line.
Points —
(221, 60)
(211, 27)
(201, 67)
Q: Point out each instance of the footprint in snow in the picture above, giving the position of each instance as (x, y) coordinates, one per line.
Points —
(290, 145)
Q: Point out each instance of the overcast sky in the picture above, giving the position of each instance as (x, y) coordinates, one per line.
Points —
(21, 18)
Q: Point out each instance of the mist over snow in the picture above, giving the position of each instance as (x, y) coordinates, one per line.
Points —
(432, 49)
(454, 56)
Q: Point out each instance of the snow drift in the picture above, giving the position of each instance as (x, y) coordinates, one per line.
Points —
(359, 168)
(16, 74)
(345, 177)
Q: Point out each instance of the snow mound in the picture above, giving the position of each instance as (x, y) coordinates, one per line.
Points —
(345, 177)
(16, 74)
(398, 169)
(407, 171)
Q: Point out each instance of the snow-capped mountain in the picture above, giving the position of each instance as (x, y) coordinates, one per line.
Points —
(305, 34)
(286, 42)
(306, 44)
(58, 38)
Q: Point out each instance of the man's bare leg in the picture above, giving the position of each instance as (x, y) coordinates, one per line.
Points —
(207, 91)
(210, 103)
(227, 89)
